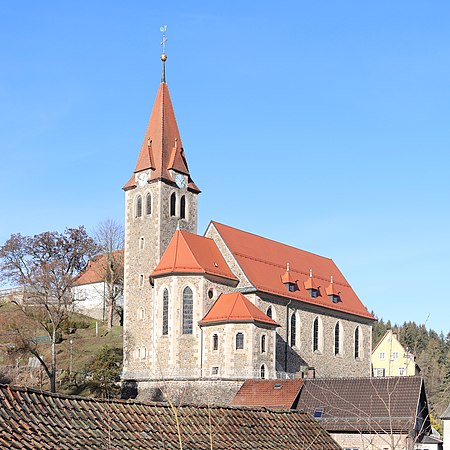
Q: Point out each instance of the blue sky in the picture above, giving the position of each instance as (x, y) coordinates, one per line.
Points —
(324, 125)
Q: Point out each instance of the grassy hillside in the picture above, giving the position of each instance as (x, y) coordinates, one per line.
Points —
(77, 349)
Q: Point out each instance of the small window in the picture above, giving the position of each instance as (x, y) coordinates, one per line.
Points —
(291, 287)
(378, 372)
(141, 280)
(314, 293)
(401, 371)
(173, 204)
(263, 343)
(215, 342)
(183, 207)
(239, 341)
(382, 355)
(210, 293)
(395, 355)
(335, 298)
(148, 204)
(141, 313)
(263, 372)
(141, 243)
(318, 413)
(214, 370)
(269, 312)
(139, 206)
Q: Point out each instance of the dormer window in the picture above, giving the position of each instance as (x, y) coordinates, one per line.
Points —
(311, 287)
(288, 280)
(335, 298)
(332, 291)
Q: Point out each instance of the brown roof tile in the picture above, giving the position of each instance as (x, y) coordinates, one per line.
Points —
(274, 394)
(69, 422)
(365, 404)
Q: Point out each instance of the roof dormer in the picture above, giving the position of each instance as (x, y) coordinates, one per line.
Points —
(288, 280)
(333, 292)
(311, 286)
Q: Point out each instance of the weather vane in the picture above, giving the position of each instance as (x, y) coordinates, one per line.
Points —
(163, 30)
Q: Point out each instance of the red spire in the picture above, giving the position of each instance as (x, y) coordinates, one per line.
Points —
(162, 149)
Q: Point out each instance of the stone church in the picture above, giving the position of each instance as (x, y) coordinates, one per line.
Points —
(205, 312)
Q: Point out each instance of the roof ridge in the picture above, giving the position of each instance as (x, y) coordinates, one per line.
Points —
(269, 239)
(190, 250)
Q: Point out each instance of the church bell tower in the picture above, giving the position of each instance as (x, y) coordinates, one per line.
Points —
(160, 197)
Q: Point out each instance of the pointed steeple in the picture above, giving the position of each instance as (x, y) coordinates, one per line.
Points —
(162, 149)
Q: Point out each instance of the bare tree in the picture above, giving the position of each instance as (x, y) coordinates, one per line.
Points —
(45, 266)
(109, 236)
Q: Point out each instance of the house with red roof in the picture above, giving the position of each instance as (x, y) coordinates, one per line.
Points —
(93, 287)
(204, 313)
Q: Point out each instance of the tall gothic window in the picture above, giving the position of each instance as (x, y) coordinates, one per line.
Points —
(263, 372)
(183, 207)
(337, 338)
(139, 206)
(148, 204)
(173, 204)
(316, 335)
(239, 341)
(263, 343)
(187, 310)
(293, 329)
(357, 342)
(165, 312)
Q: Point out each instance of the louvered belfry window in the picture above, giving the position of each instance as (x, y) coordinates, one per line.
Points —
(183, 207)
(148, 204)
(139, 206)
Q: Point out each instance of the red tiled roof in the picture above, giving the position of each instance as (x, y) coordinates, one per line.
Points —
(366, 404)
(264, 263)
(235, 307)
(31, 419)
(190, 253)
(273, 394)
(95, 271)
(162, 149)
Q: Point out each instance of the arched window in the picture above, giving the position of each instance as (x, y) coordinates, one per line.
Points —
(239, 341)
(263, 343)
(141, 313)
(269, 312)
(263, 371)
(337, 338)
(316, 335)
(183, 207)
(139, 206)
(293, 329)
(148, 204)
(215, 342)
(141, 280)
(357, 340)
(141, 243)
(165, 313)
(187, 310)
(173, 204)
